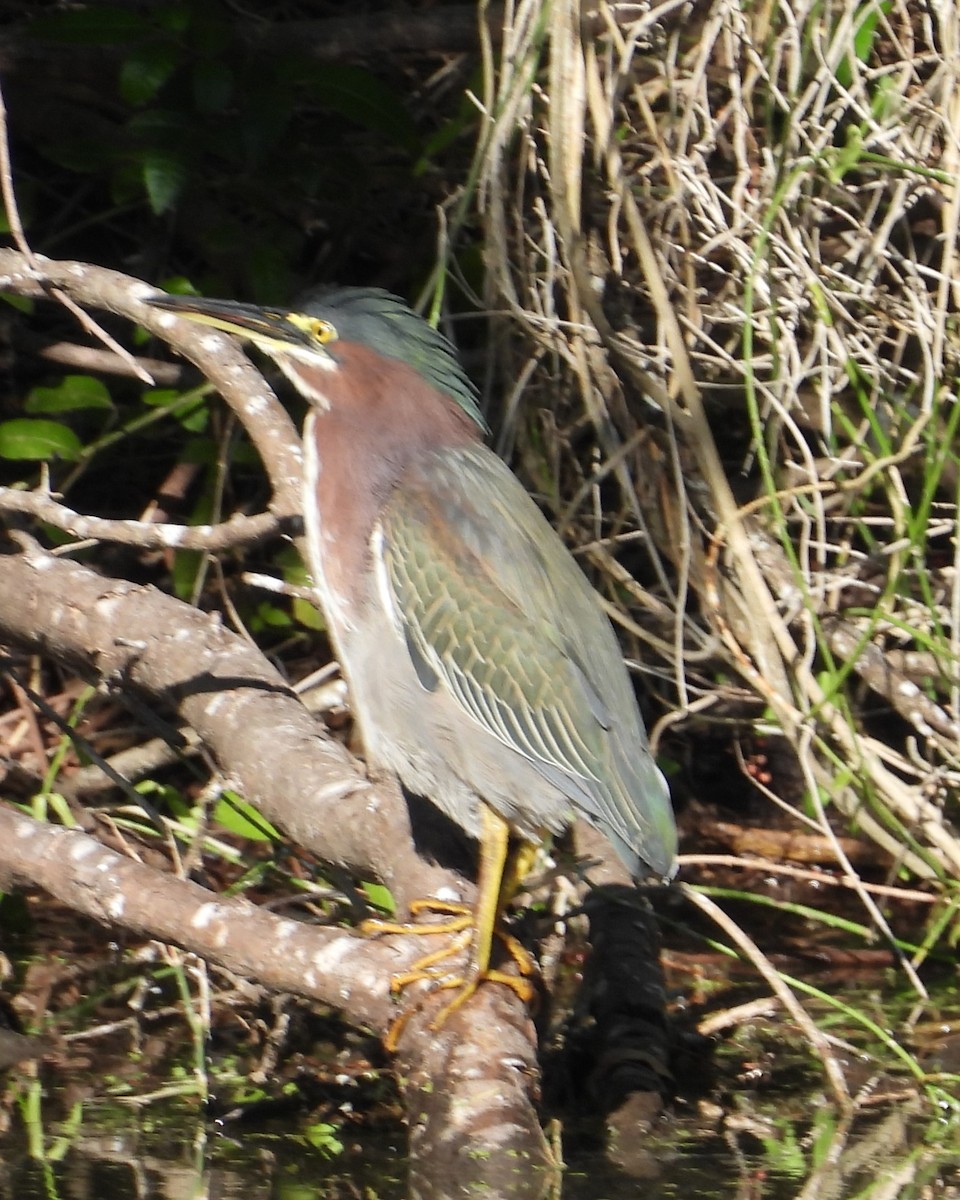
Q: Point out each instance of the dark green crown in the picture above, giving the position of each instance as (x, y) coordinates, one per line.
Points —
(378, 319)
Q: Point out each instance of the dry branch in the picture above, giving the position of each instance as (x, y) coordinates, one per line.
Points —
(239, 530)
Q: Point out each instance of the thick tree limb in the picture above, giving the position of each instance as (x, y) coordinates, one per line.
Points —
(330, 965)
(479, 1126)
(136, 638)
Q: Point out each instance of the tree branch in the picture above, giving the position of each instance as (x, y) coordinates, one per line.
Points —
(257, 729)
(238, 530)
(485, 1057)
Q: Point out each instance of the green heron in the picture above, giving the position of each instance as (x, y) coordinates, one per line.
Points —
(481, 667)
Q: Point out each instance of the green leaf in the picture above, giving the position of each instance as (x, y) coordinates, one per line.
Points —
(24, 438)
(160, 397)
(187, 565)
(323, 1137)
(865, 35)
(241, 818)
(164, 174)
(308, 615)
(61, 809)
(72, 393)
(146, 70)
(162, 795)
(295, 573)
(21, 303)
(196, 420)
(178, 285)
(271, 616)
(866, 20)
(380, 897)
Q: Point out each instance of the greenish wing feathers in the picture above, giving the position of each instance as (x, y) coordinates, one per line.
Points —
(496, 607)
(509, 675)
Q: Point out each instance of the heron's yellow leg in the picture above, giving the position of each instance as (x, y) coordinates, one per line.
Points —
(495, 877)
(476, 927)
(462, 912)
(464, 916)
(494, 851)
(423, 967)
(518, 867)
(462, 930)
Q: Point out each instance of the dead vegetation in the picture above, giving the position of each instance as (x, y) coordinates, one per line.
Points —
(729, 235)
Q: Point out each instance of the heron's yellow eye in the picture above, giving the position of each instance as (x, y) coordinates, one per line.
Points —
(321, 331)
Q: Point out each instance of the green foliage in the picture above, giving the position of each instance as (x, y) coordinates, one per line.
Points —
(236, 816)
(865, 22)
(44, 1147)
(189, 409)
(380, 897)
(793, 1152)
(323, 1136)
(73, 393)
(26, 439)
(817, 916)
(269, 616)
(142, 75)
(48, 803)
(22, 304)
(77, 399)
(295, 575)
(240, 144)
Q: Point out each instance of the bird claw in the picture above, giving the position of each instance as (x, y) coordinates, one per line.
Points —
(424, 970)
(523, 988)
(464, 920)
(462, 923)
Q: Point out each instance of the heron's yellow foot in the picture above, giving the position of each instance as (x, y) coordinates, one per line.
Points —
(461, 930)
(522, 986)
(462, 913)
(469, 929)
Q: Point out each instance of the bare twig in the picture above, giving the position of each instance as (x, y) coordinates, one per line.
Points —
(239, 530)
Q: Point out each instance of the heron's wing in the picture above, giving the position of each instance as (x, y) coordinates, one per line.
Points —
(495, 611)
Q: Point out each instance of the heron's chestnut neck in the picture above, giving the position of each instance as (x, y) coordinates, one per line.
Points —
(375, 419)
